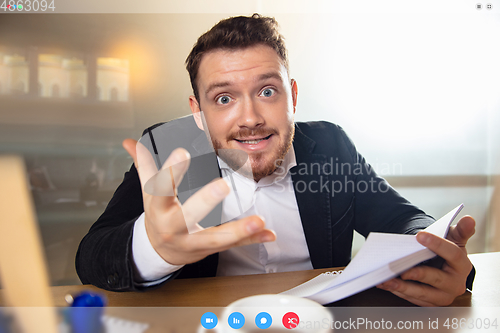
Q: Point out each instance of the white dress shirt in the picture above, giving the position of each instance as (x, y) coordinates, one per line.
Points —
(273, 198)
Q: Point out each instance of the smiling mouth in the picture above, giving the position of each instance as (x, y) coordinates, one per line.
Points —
(254, 142)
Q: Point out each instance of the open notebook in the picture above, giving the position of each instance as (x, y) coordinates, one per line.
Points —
(382, 257)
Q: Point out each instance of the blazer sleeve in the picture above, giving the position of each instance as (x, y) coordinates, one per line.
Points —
(104, 257)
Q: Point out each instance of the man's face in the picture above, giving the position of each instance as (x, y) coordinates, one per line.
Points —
(249, 103)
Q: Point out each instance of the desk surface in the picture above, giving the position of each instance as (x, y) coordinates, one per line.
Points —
(221, 291)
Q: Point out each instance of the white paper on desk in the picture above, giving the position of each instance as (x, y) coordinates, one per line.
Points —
(113, 325)
(382, 257)
(120, 325)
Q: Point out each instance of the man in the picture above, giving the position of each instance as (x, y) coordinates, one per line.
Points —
(244, 101)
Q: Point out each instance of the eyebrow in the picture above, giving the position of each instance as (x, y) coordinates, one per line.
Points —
(217, 85)
(262, 77)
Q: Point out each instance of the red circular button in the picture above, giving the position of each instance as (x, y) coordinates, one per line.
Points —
(290, 320)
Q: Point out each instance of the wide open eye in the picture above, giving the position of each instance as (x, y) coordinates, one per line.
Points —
(268, 92)
(223, 99)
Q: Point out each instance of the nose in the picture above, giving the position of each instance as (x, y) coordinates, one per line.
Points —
(250, 114)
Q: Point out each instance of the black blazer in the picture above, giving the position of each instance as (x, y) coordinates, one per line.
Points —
(324, 154)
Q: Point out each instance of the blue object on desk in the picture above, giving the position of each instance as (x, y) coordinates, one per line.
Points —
(5, 323)
(88, 299)
(86, 313)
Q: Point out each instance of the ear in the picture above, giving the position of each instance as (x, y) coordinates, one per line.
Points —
(295, 92)
(195, 109)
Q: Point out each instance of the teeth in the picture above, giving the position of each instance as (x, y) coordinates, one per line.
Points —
(252, 142)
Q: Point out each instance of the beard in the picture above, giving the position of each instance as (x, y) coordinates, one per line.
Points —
(258, 167)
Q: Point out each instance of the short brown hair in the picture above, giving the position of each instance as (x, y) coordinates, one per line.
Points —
(236, 33)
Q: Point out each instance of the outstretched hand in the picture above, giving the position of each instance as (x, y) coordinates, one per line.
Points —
(429, 286)
(167, 221)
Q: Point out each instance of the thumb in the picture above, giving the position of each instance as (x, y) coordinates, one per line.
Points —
(129, 145)
(464, 230)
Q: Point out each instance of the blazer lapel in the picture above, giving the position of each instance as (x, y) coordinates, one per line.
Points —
(313, 203)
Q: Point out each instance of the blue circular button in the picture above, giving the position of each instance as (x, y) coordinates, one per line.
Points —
(236, 320)
(263, 320)
(209, 320)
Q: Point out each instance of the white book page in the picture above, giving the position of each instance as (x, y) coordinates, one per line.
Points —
(379, 250)
(440, 227)
(311, 287)
(372, 279)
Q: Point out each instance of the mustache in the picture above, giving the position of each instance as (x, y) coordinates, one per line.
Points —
(246, 132)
